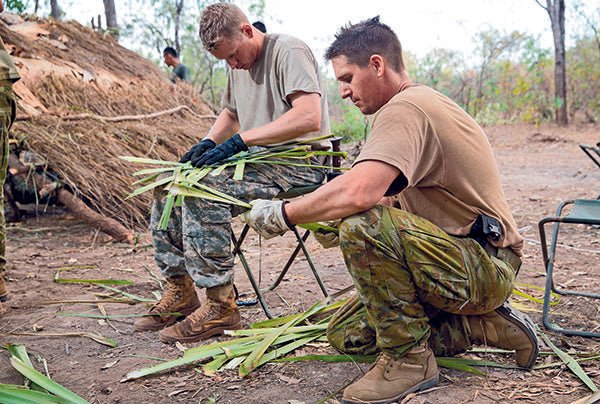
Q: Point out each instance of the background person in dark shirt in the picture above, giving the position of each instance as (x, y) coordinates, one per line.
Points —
(259, 25)
(180, 71)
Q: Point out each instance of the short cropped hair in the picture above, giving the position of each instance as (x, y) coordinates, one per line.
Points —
(219, 21)
(170, 51)
(359, 41)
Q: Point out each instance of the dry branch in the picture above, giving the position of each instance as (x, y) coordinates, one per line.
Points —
(76, 205)
(133, 117)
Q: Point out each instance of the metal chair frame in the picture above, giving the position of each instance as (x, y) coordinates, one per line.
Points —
(584, 211)
(300, 238)
(593, 152)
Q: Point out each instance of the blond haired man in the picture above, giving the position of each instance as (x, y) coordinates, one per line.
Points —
(274, 94)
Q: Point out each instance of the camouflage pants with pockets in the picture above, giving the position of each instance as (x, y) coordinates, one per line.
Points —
(414, 281)
(198, 238)
(7, 115)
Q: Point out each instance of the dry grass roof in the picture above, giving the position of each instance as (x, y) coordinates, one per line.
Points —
(72, 75)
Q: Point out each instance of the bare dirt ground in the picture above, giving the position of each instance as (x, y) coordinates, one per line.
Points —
(540, 167)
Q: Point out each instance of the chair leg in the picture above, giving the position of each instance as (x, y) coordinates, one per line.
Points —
(289, 262)
(310, 263)
(237, 250)
(301, 246)
(548, 257)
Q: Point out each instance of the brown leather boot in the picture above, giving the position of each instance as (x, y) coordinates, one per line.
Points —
(505, 328)
(219, 313)
(180, 297)
(3, 289)
(392, 378)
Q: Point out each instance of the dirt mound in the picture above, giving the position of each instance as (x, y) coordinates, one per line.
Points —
(84, 100)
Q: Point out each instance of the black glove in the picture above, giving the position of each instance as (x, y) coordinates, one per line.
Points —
(198, 150)
(230, 147)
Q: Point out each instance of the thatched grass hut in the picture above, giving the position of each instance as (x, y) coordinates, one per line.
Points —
(82, 102)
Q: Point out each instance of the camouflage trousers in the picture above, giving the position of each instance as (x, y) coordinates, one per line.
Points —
(198, 238)
(414, 284)
(7, 115)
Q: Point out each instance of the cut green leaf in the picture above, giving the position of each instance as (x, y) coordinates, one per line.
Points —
(570, 362)
(93, 336)
(10, 394)
(45, 382)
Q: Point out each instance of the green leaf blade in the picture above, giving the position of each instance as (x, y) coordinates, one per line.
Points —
(45, 382)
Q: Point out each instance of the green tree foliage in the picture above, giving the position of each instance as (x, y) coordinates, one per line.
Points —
(442, 70)
(507, 78)
(510, 77)
(154, 29)
(346, 120)
(493, 52)
(583, 63)
(16, 6)
(583, 70)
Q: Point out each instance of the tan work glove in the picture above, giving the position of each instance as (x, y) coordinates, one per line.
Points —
(328, 239)
(267, 218)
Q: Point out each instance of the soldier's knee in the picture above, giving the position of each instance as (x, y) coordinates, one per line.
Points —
(360, 223)
(335, 337)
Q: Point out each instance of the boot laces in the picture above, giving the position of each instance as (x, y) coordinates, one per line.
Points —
(205, 311)
(172, 295)
(383, 360)
(387, 361)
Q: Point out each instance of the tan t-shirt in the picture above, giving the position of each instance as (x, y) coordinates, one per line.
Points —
(447, 160)
(8, 71)
(260, 95)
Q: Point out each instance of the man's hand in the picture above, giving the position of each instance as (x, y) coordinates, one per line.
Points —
(328, 239)
(198, 150)
(267, 218)
(230, 147)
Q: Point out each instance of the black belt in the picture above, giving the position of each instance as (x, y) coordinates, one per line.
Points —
(505, 254)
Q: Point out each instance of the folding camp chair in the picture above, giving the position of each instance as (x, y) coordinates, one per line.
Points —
(583, 211)
(335, 162)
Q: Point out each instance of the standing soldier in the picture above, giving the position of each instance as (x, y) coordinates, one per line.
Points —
(8, 75)
(180, 71)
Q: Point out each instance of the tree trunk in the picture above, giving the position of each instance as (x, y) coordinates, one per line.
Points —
(111, 18)
(37, 5)
(556, 12)
(178, 10)
(55, 11)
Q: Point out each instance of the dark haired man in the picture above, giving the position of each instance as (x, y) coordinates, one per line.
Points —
(180, 71)
(433, 271)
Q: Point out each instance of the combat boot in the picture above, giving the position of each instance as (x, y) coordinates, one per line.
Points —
(3, 289)
(180, 297)
(505, 328)
(394, 377)
(219, 313)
